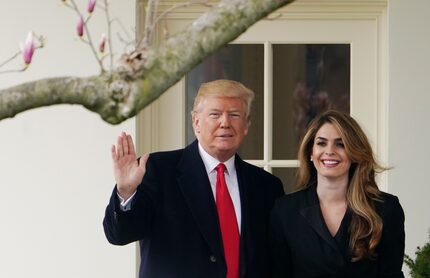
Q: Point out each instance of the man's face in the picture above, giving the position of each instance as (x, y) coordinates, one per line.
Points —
(220, 125)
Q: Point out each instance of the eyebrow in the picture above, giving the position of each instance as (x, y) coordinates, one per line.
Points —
(325, 139)
(228, 111)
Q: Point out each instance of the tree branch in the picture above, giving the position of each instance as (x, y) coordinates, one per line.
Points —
(144, 76)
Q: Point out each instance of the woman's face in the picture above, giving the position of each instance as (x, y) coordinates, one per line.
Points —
(329, 155)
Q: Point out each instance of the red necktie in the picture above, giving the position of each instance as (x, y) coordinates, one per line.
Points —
(228, 224)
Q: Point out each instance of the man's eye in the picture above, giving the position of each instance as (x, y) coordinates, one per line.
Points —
(214, 115)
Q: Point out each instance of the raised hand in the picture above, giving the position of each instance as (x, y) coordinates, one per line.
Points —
(127, 170)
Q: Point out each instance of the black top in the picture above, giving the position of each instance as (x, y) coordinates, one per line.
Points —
(302, 246)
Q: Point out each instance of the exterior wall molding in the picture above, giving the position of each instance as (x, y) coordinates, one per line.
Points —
(300, 9)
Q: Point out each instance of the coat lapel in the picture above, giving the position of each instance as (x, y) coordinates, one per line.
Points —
(195, 186)
(312, 213)
(245, 249)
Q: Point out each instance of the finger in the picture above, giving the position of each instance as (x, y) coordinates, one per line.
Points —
(113, 153)
(119, 147)
(130, 144)
(142, 161)
(125, 144)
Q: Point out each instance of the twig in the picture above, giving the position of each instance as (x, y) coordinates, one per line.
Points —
(12, 71)
(109, 37)
(90, 42)
(116, 20)
(143, 43)
(10, 59)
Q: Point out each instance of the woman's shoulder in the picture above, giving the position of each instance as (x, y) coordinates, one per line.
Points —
(389, 205)
(389, 199)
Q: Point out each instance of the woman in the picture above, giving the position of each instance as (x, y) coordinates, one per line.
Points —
(338, 223)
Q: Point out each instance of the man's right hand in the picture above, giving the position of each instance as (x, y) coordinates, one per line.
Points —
(127, 170)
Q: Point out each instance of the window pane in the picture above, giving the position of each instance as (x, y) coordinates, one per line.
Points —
(243, 63)
(307, 80)
(287, 176)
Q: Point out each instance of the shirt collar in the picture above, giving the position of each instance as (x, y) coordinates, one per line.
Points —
(211, 162)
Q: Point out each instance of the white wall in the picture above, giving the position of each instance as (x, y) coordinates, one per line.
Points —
(409, 114)
(55, 167)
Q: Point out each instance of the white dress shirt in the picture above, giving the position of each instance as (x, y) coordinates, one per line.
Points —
(230, 179)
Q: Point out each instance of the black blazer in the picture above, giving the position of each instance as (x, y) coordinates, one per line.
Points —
(302, 246)
(175, 218)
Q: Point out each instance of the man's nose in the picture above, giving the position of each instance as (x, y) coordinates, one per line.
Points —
(224, 121)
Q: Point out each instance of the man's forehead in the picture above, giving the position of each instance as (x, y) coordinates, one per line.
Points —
(223, 102)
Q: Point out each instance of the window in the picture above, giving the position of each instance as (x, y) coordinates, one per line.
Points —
(307, 79)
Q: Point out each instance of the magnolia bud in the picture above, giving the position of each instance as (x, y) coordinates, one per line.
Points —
(28, 48)
(80, 26)
(102, 43)
(91, 5)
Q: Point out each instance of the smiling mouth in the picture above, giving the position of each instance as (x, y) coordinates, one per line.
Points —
(330, 162)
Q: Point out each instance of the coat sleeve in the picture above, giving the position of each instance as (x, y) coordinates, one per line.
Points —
(392, 246)
(123, 227)
(280, 254)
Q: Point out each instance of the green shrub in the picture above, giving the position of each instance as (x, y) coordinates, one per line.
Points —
(420, 267)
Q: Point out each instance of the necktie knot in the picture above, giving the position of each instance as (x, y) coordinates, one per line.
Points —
(220, 168)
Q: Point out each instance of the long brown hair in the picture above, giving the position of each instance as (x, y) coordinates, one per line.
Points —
(362, 193)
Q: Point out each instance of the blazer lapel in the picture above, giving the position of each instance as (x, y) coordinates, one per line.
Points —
(246, 190)
(312, 213)
(195, 186)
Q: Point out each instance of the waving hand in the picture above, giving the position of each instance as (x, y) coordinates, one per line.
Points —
(127, 170)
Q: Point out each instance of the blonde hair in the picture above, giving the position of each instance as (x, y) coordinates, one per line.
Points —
(366, 225)
(224, 88)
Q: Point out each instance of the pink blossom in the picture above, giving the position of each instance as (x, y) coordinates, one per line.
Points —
(91, 5)
(80, 26)
(28, 48)
(102, 43)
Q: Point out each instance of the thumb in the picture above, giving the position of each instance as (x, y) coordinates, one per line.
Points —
(142, 161)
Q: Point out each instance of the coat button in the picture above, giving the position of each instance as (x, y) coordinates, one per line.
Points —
(212, 259)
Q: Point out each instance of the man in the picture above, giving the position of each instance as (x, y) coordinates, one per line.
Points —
(193, 219)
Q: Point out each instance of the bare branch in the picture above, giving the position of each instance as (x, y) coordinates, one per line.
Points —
(124, 30)
(109, 36)
(109, 96)
(150, 25)
(149, 18)
(10, 59)
(178, 6)
(13, 71)
(87, 34)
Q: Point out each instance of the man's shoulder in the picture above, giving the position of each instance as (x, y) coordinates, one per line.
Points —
(184, 155)
(249, 168)
(166, 156)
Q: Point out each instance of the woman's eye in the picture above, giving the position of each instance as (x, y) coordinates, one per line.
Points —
(320, 143)
(341, 145)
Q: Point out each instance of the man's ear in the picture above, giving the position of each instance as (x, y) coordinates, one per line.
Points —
(196, 123)
(248, 124)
